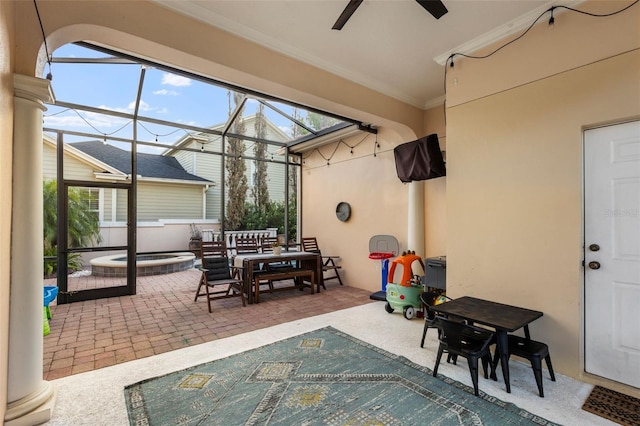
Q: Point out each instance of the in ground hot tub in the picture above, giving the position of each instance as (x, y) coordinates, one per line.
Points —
(147, 264)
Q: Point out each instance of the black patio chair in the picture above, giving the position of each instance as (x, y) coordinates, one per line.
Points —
(533, 351)
(428, 299)
(218, 280)
(467, 341)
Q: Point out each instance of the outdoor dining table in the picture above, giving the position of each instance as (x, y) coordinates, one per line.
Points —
(301, 259)
(502, 318)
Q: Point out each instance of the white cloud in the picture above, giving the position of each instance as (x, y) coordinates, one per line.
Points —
(175, 80)
(287, 130)
(143, 106)
(166, 92)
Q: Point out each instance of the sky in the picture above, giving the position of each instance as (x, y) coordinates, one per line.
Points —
(114, 87)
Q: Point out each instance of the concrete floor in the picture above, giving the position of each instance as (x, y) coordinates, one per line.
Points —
(96, 348)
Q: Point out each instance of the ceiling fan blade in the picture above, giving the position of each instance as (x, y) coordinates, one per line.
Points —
(346, 14)
(434, 7)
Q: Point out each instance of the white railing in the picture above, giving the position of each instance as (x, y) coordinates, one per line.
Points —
(231, 236)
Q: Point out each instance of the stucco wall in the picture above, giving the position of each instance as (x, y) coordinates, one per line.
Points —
(435, 191)
(6, 142)
(514, 183)
(370, 185)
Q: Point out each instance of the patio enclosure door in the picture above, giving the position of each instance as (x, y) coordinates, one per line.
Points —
(112, 267)
(612, 252)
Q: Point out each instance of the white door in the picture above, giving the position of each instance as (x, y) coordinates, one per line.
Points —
(612, 252)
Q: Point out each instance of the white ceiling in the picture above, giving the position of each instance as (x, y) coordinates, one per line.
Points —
(387, 45)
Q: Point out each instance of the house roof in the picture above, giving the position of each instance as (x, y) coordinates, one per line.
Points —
(149, 165)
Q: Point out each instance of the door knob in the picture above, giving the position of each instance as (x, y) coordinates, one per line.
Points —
(594, 247)
(594, 265)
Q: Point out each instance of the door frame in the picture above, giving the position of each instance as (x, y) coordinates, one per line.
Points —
(594, 378)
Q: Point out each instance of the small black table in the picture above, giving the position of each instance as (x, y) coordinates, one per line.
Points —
(502, 318)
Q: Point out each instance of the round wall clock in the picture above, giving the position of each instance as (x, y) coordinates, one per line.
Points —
(343, 211)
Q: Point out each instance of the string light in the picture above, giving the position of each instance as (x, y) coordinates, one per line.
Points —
(44, 38)
(551, 25)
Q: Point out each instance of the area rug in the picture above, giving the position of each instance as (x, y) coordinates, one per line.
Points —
(614, 406)
(323, 377)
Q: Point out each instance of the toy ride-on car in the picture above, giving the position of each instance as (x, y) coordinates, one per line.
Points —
(403, 297)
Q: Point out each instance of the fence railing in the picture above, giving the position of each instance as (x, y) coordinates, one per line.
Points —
(231, 236)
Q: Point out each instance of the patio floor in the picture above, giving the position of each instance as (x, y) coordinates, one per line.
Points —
(162, 317)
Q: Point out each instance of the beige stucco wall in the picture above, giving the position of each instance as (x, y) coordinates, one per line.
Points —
(6, 138)
(368, 181)
(435, 203)
(370, 185)
(514, 183)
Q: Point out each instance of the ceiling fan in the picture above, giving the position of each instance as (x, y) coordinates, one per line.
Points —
(434, 7)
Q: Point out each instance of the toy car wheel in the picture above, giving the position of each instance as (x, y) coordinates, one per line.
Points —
(388, 308)
(409, 312)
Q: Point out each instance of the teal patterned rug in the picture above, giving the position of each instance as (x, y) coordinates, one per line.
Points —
(323, 377)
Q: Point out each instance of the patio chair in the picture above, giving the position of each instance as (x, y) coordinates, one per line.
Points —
(533, 351)
(266, 244)
(247, 245)
(213, 248)
(216, 273)
(310, 244)
(428, 299)
(465, 340)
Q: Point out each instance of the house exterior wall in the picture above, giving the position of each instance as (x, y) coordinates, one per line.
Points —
(7, 55)
(156, 200)
(166, 201)
(209, 166)
(514, 151)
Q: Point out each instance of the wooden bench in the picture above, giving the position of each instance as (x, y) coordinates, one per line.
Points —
(283, 275)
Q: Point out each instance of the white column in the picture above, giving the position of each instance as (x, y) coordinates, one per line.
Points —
(415, 231)
(30, 398)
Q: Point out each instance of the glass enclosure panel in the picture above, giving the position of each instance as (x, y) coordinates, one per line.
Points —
(86, 125)
(172, 97)
(89, 210)
(108, 85)
(209, 156)
(103, 270)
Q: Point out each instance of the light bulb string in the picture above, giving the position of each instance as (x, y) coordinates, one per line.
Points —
(44, 38)
(449, 62)
(161, 134)
(89, 123)
(335, 149)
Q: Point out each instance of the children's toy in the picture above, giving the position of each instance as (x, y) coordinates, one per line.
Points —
(404, 297)
(407, 261)
(405, 293)
(382, 248)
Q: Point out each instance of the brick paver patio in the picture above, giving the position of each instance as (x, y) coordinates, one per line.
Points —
(162, 317)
